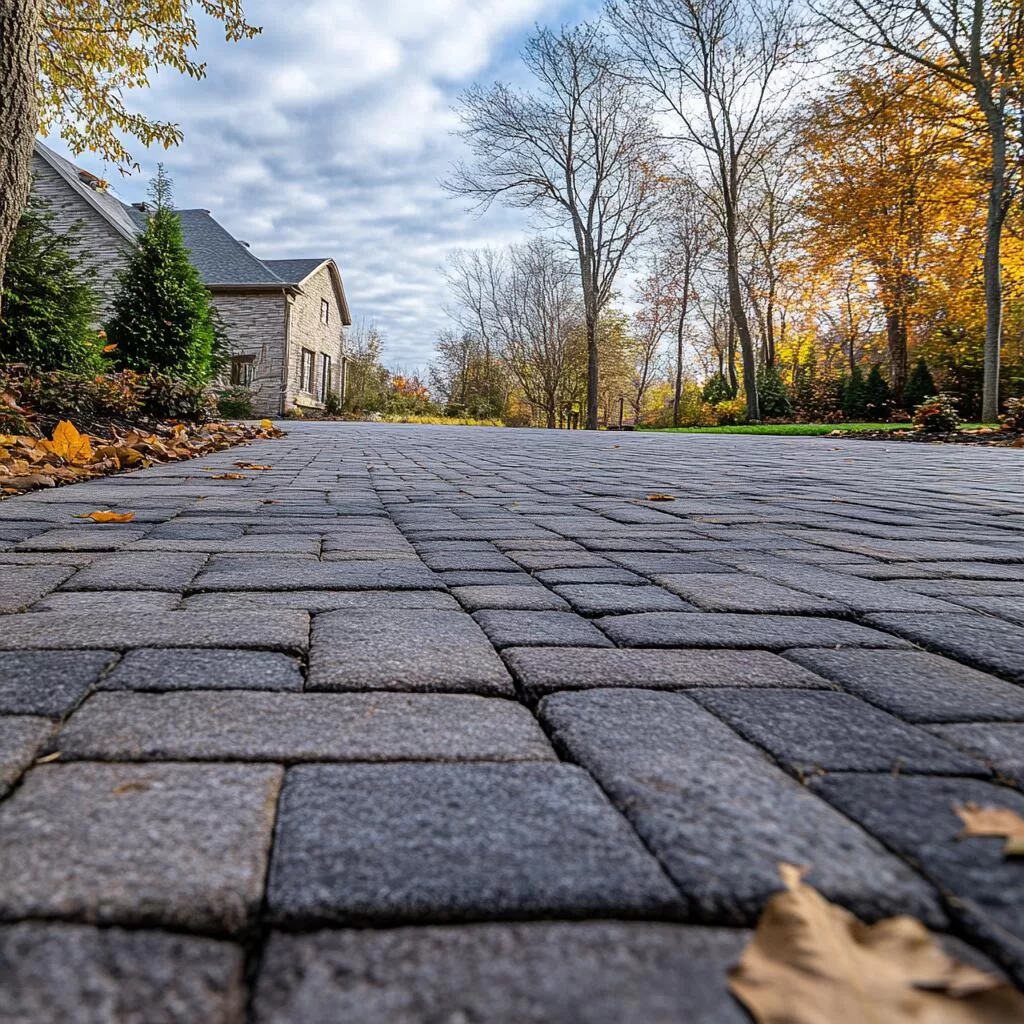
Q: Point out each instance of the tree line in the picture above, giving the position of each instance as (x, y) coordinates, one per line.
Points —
(793, 202)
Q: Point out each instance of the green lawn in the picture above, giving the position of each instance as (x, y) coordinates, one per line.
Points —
(798, 429)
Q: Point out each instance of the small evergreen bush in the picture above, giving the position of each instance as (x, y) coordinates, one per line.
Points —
(717, 390)
(48, 305)
(235, 404)
(877, 396)
(854, 396)
(773, 395)
(920, 385)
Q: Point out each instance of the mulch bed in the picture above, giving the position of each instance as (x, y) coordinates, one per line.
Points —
(987, 437)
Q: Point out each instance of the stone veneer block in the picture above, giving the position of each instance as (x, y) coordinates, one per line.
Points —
(212, 669)
(539, 629)
(48, 682)
(171, 845)
(21, 738)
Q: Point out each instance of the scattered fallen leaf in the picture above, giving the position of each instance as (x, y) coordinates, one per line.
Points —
(69, 444)
(252, 465)
(1017, 442)
(660, 497)
(229, 476)
(107, 517)
(266, 425)
(811, 962)
(110, 348)
(55, 756)
(993, 821)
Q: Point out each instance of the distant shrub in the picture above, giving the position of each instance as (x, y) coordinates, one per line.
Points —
(877, 397)
(773, 395)
(730, 413)
(332, 404)
(1013, 419)
(854, 396)
(235, 404)
(717, 389)
(920, 385)
(937, 414)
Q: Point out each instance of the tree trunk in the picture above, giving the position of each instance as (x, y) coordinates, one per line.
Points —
(592, 381)
(19, 113)
(551, 416)
(677, 398)
(730, 346)
(993, 275)
(737, 314)
(896, 335)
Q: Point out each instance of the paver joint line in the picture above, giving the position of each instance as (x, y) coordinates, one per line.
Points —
(406, 713)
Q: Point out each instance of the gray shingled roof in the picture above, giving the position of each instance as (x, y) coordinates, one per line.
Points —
(219, 258)
(294, 271)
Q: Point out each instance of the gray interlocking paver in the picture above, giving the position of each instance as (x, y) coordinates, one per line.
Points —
(48, 682)
(174, 845)
(62, 973)
(534, 973)
(813, 731)
(718, 815)
(239, 726)
(388, 844)
(917, 686)
(839, 605)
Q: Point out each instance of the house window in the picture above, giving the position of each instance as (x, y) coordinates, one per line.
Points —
(325, 311)
(307, 372)
(242, 368)
(325, 377)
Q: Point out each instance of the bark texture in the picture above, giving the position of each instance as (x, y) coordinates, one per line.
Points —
(19, 117)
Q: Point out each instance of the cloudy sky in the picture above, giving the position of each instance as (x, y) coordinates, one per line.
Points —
(328, 134)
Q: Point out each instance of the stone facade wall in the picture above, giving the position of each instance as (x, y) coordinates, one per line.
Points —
(255, 323)
(104, 249)
(306, 330)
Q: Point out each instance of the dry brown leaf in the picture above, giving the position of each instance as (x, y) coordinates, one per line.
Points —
(229, 476)
(252, 465)
(660, 497)
(993, 821)
(107, 517)
(811, 962)
(69, 444)
(55, 756)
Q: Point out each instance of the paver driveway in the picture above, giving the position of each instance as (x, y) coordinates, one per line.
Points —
(439, 724)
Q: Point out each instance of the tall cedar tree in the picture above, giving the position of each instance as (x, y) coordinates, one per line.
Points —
(48, 306)
(774, 396)
(162, 318)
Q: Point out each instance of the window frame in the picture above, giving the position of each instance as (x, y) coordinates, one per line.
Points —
(326, 368)
(242, 370)
(325, 312)
(307, 371)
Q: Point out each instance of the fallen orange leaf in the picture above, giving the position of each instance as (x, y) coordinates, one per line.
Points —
(69, 444)
(811, 962)
(229, 476)
(252, 465)
(660, 497)
(993, 821)
(107, 517)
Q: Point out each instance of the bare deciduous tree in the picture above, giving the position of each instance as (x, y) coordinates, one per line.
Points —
(719, 67)
(19, 112)
(977, 46)
(579, 150)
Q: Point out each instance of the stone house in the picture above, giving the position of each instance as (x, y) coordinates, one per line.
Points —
(286, 319)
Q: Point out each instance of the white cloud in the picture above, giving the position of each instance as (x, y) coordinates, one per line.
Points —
(327, 135)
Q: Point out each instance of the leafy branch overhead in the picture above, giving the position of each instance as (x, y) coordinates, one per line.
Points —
(91, 52)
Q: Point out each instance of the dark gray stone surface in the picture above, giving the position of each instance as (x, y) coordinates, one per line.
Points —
(21, 739)
(292, 727)
(719, 815)
(387, 844)
(108, 602)
(77, 974)
(714, 629)
(279, 629)
(914, 816)
(269, 573)
(314, 601)
(609, 599)
(174, 845)
(999, 744)
(139, 570)
(514, 598)
(23, 585)
(404, 650)
(981, 640)
(543, 670)
(563, 973)
(48, 682)
(812, 731)
(736, 592)
(224, 669)
(608, 576)
(539, 629)
(917, 686)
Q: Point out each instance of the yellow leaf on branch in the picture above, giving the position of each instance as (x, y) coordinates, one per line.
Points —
(811, 962)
